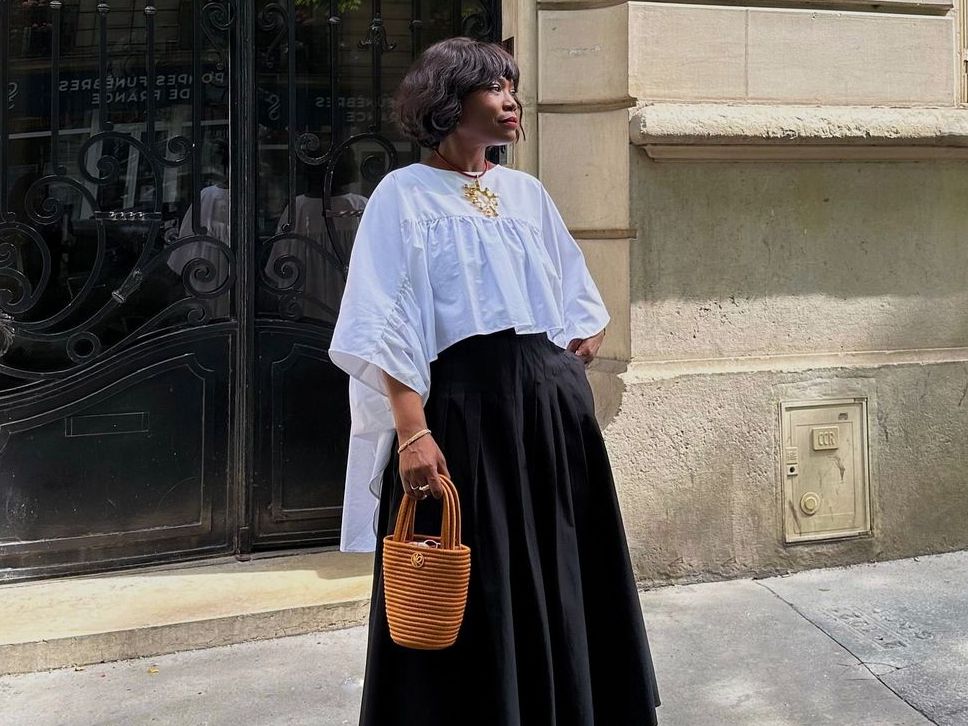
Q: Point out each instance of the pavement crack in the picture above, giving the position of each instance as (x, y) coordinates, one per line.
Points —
(893, 667)
(846, 647)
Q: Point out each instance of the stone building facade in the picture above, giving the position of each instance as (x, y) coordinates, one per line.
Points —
(771, 198)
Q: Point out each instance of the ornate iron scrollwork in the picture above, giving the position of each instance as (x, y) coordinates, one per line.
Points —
(85, 329)
(478, 20)
(288, 259)
(76, 324)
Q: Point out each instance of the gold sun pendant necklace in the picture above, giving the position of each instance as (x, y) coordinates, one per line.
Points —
(481, 197)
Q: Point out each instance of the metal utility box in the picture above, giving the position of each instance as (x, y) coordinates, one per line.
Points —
(825, 470)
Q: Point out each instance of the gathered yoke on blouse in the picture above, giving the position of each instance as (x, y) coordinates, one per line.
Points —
(428, 269)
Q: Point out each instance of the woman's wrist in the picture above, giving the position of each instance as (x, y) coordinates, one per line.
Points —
(405, 432)
(413, 437)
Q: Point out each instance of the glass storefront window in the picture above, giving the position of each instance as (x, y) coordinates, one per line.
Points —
(117, 128)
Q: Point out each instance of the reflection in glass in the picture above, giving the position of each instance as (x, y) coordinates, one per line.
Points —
(325, 74)
(306, 258)
(195, 242)
(324, 142)
(109, 117)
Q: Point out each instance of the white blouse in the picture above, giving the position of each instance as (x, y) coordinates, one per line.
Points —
(428, 269)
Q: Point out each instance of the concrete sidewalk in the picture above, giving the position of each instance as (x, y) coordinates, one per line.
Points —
(883, 644)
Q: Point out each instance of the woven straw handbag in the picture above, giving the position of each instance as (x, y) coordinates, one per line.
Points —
(425, 582)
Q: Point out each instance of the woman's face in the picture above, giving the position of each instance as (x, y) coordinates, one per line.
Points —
(489, 115)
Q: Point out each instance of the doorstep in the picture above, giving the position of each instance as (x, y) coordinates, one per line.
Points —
(113, 616)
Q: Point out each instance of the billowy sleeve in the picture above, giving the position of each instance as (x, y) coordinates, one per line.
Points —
(385, 323)
(386, 318)
(583, 309)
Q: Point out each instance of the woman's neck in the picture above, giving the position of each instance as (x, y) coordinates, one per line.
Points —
(462, 157)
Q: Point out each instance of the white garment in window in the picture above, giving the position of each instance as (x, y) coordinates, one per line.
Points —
(427, 270)
(322, 280)
(214, 217)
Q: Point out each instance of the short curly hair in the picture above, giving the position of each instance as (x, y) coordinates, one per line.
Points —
(427, 103)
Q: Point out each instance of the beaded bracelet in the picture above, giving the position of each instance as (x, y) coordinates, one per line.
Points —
(413, 438)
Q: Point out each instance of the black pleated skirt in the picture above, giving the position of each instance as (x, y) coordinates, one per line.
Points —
(553, 632)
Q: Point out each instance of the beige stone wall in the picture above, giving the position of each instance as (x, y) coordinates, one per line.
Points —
(583, 102)
(807, 244)
(756, 283)
(695, 462)
(781, 55)
(797, 258)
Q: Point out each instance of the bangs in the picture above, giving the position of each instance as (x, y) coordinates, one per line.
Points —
(427, 103)
(486, 64)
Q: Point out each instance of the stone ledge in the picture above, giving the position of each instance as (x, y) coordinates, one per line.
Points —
(165, 609)
(638, 372)
(721, 131)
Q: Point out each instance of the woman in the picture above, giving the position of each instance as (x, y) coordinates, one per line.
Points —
(477, 287)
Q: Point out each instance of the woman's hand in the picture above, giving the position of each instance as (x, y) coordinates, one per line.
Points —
(587, 348)
(419, 465)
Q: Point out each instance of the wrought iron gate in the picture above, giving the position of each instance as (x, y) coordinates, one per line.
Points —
(180, 182)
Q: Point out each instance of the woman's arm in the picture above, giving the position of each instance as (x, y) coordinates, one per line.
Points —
(408, 414)
(422, 460)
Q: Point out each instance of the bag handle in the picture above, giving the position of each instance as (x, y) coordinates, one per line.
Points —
(450, 519)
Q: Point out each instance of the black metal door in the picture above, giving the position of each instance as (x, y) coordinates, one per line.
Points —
(179, 187)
